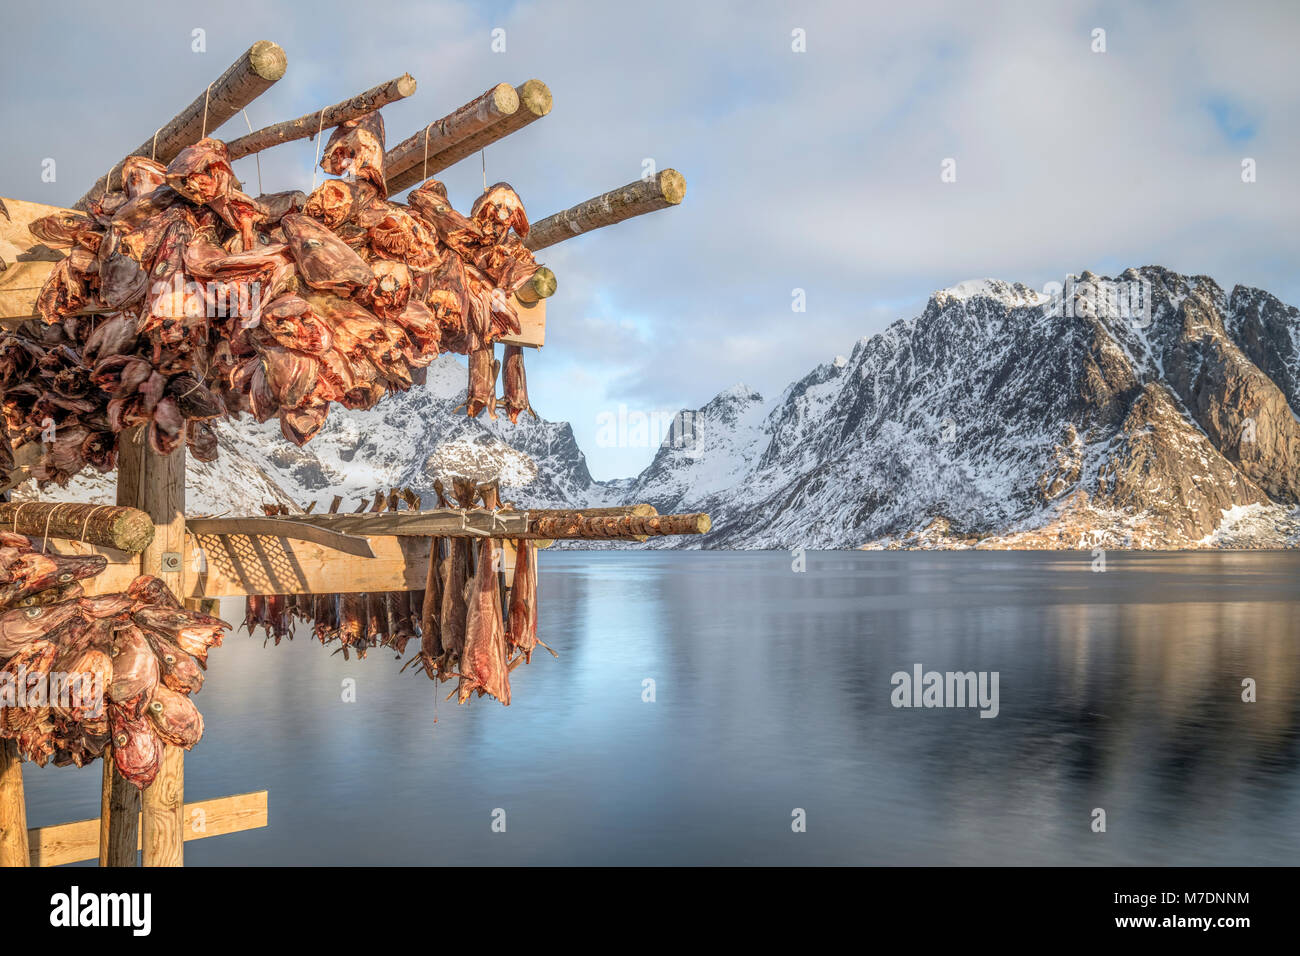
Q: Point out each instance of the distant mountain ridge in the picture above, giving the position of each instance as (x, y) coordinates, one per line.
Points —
(1149, 409)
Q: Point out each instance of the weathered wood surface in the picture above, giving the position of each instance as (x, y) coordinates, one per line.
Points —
(162, 820)
(236, 565)
(13, 807)
(277, 527)
(436, 521)
(155, 484)
(110, 526)
(310, 124)
(588, 527)
(532, 324)
(534, 103)
(25, 459)
(27, 261)
(667, 188)
(74, 842)
(404, 164)
(246, 79)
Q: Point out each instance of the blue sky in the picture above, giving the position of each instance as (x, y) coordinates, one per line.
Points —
(817, 170)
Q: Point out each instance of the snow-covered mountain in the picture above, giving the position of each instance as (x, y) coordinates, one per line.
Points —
(1149, 409)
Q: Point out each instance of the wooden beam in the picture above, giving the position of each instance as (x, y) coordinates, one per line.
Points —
(13, 807)
(587, 527)
(239, 565)
(443, 522)
(668, 188)
(534, 103)
(279, 528)
(74, 842)
(125, 529)
(404, 164)
(246, 79)
(310, 124)
(155, 484)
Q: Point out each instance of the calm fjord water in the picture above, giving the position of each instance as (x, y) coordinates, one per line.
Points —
(1119, 690)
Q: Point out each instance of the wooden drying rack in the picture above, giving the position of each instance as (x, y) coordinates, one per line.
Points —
(298, 554)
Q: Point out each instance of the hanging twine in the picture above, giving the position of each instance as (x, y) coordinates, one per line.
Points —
(86, 524)
(424, 172)
(206, 94)
(153, 151)
(256, 156)
(483, 156)
(320, 125)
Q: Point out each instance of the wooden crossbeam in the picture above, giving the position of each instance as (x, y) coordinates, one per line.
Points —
(77, 841)
(247, 78)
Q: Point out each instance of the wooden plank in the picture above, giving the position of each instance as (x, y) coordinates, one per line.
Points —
(278, 528)
(238, 565)
(532, 324)
(28, 261)
(74, 842)
(13, 807)
(122, 568)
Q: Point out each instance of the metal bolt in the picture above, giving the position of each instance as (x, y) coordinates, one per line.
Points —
(171, 561)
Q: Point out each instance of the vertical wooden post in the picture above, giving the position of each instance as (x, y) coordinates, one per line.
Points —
(105, 804)
(156, 485)
(13, 808)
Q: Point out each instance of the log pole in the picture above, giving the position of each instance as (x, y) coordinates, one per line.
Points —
(307, 125)
(105, 526)
(595, 527)
(246, 79)
(542, 285)
(13, 808)
(667, 188)
(534, 102)
(155, 484)
(404, 163)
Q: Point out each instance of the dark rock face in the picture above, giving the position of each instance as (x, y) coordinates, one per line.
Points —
(1149, 399)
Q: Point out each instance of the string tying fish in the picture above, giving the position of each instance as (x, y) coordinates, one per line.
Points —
(86, 524)
(320, 125)
(256, 156)
(424, 171)
(206, 94)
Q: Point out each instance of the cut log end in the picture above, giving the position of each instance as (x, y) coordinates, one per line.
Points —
(267, 60)
(541, 286)
(535, 97)
(504, 100)
(672, 186)
(406, 85)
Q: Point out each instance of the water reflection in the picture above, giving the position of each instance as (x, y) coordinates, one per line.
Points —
(1119, 690)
